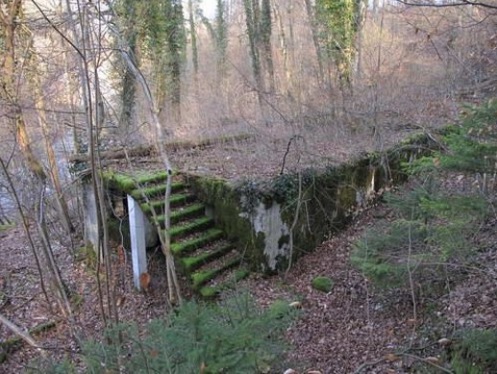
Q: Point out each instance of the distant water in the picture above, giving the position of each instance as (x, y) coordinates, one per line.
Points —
(63, 147)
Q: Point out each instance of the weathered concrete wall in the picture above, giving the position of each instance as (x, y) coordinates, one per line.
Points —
(268, 221)
(119, 228)
(90, 215)
(261, 215)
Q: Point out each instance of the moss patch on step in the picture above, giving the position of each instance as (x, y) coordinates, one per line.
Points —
(190, 245)
(198, 224)
(203, 276)
(194, 262)
(190, 211)
(127, 182)
(209, 292)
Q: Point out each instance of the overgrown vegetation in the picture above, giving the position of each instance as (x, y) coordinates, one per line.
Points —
(475, 352)
(432, 226)
(429, 237)
(323, 284)
(430, 230)
(232, 336)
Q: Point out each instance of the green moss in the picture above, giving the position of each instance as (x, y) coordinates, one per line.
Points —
(151, 177)
(191, 263)
(7, 226)
(198, 224)
(224, 201)
(213, 291)
(241, 274)
(126, 182)
(191, 211)
(209, 292)
(87, 255)
(201, 277)
(190, 245)
(179, 199)
(149, 191)
(347, 197)
(279, 308)
(323, 284)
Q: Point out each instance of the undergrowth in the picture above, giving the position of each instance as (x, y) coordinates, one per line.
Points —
(433, 227)
(429, 237)
(232, 336)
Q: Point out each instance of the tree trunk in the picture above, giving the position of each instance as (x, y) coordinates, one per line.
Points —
(315, 37)
(8, 82)
(60, 201)
(193, 41)
(265, 29)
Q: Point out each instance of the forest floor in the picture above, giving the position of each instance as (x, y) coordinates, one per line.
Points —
(265, 152)
(277, 150)
(354, 328)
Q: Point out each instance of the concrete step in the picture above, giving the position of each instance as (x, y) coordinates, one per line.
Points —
(156, 190)
(187, 246)
(205, 256)
(197, 225)
(202, 276)
(216, 286)
(176, 200)
(184, 213)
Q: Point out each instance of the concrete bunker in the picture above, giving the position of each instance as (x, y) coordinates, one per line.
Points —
(272, 219)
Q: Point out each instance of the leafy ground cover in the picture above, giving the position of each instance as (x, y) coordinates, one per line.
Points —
(442, 323)
(354, 326)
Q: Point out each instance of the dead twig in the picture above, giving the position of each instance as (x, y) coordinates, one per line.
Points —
(286, 153)
(22, 335)
(397, 356)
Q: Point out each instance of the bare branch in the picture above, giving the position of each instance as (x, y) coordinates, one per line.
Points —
(446, 5)
(17, 330)
(62, 35)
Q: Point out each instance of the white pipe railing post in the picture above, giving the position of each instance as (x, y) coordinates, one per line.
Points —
(137, 234)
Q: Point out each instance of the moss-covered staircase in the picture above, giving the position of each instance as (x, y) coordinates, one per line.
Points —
(210, 262)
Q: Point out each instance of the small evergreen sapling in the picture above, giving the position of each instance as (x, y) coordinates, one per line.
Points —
(433, 227)
(232, 336)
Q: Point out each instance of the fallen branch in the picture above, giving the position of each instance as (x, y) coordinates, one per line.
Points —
(21, 335)
(145, 151)
(397, 356)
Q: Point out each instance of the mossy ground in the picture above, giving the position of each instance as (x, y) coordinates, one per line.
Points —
(6, 227)
(323, 284)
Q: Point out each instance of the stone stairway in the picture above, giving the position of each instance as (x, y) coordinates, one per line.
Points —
(201, 251)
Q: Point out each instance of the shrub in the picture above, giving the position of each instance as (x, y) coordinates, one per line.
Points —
(231, 336)
(429, 229)
(323, 284)
(475, 352)
(433, 227)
